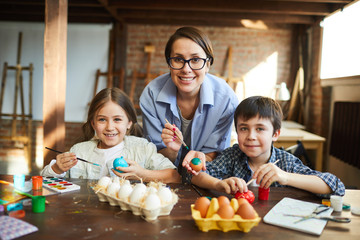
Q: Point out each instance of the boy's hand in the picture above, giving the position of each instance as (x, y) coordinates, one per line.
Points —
(232, 185)
(269, 173)
(189, 156)
(169, 137)
(64, 162)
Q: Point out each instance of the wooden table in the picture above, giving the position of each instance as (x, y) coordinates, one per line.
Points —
(80, 215)
(289, 136)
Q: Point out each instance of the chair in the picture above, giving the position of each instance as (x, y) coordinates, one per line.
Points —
(299, 151)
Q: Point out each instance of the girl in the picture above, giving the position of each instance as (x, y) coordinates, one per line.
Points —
(107, 135)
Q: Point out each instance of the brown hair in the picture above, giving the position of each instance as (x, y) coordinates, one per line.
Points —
(263, 106)
(115, 95)
(195, 35)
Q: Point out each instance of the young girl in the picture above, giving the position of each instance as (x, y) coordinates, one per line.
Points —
(107, 135)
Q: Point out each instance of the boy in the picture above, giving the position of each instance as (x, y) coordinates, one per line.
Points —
(258, 123)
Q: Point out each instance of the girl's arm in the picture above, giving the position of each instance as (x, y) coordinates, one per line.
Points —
(166, 175)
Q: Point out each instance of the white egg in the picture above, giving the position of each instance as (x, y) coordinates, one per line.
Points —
(113, 189)
(125, 192)
(165, 195)
(152, 201)
(138, 193)
(104, 182)
(151, 190)
(115, 179)
(126, 182)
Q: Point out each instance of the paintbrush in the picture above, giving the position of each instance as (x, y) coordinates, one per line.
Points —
(251, 180)
(76, 158)
(179, 137)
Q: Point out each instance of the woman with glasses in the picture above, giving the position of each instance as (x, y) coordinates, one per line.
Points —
(188, 105)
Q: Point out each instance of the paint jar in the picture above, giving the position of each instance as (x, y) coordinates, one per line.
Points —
(37, 182)
(38, 204)
(263, 193)
(19, 181)
(336, 203)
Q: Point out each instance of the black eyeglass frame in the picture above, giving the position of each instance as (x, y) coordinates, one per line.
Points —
(188, 62)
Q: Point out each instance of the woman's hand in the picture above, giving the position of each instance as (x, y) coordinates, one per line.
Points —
(64, 162)
(269, 173)
(169, 137)
(189, 156)
(231, 185)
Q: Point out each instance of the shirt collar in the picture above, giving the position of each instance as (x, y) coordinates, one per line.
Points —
(168, 93)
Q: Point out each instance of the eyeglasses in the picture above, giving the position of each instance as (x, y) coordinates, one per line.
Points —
(178, 63)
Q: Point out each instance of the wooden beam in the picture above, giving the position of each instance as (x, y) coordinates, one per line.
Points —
(153, 15)
(249, 6)
(54, 91)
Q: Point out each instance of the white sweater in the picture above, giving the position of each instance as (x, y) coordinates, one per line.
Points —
(133, 148)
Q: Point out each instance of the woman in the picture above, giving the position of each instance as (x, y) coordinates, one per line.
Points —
(198, 105)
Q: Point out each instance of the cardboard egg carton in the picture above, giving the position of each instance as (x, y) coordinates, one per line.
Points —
(136, 209)
(217, 223)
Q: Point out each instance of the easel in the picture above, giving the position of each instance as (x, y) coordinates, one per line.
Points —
(110, 73)
(25, 132)
(232, 81)
(149, 49)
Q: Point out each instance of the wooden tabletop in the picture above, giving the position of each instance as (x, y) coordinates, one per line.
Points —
(80, 215)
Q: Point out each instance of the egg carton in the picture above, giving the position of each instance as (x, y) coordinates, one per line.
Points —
(139, 210)
(217, 223)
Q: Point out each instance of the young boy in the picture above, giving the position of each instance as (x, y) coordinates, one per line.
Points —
(258, 123)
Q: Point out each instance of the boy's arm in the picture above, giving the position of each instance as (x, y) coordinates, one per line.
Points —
(204, 180)
(229, 185)
(309, 183)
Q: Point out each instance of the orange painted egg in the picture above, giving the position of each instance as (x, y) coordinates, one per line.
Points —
(226, 211)
(202, 205)
(246, 211)
(223, 200)
(196, 164)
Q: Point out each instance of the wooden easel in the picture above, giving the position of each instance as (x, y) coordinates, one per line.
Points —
(110, 72)
(230, 79)
(149, 49)
(24, 135)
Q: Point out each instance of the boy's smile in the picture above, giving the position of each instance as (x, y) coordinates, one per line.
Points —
(255, 137)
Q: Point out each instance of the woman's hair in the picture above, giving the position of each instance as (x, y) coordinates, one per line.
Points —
(263, 107)
(195, 35)
(117, 96)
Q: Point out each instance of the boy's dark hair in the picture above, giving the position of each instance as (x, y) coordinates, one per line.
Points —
(119, 97)
(195, 35)
(263, 106)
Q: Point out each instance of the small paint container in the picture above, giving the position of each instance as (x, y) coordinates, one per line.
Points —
(38, 204)
(37, 182)
(19, 181)
(336, 203)
(263, 193)
(326, 202)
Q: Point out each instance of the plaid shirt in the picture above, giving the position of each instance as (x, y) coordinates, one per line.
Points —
(232, 162)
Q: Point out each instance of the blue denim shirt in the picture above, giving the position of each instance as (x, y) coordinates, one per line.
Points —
(211, 125)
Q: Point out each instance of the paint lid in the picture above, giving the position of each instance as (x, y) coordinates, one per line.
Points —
(17, 214)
